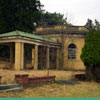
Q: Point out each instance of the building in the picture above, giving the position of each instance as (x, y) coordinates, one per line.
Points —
(71, 39)
(56, 47)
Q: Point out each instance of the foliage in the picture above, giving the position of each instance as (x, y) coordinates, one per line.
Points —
(91, 52)
(19, 14)
(97, 24)
(92, 25)
(89, 24)
(49, 19)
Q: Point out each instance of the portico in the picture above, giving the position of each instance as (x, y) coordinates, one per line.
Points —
(19, 42)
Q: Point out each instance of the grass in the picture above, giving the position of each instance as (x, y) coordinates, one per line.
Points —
(84, 89)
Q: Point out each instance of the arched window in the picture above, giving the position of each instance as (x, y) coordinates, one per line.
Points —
(72, 51)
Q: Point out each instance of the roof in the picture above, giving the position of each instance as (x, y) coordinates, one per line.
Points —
(25, 34)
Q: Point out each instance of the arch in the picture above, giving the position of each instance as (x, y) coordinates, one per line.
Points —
(72, 51)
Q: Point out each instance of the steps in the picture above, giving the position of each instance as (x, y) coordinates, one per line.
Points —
(10, 87)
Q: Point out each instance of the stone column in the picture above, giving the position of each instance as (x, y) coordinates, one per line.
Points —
(11, 56)
(19, 55)
(36, 58)
(33, 58)
(47, 58)
(57, 58)
(22, 55)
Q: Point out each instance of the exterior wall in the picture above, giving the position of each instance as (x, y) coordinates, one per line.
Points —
(76, 64)
(28, 66)
(78, 40)
(4, 64)
(79, 28)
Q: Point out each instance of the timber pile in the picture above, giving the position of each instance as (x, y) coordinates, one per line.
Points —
(25, 79)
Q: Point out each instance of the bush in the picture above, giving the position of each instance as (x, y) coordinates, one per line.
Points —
(91, 55)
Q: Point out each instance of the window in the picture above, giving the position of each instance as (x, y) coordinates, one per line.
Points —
(72, 51)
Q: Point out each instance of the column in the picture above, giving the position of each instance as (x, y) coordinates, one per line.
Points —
(47, 58)
(36, 58)
(33, 58)
(19, 55)
(22, 55)
(11, 56)
(57, 58)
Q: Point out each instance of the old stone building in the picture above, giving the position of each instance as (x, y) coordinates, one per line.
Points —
(71, 40)
(56, 47)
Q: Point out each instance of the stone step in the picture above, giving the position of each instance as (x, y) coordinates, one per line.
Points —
(17, 89)
(8, 86)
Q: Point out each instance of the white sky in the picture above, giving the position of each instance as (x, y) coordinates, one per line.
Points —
(77, 11)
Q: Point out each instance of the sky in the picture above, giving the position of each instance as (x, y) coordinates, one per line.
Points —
(76, 11)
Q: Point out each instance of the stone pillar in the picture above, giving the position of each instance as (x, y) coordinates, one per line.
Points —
(22, 55)
(33, 58)
(36, 58)
(11, 56)
(19, 55)
(57, 58)
(47, 58)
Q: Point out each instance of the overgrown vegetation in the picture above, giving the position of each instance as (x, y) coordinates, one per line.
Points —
(83, 89)
(91, 55)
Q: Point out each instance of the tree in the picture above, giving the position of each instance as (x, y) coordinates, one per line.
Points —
(92, 24)
(97, 24)
(19, 14)
(91, 54)
(49, 19)
(89, 24)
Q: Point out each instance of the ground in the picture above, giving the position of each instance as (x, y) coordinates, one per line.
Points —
(80, 89)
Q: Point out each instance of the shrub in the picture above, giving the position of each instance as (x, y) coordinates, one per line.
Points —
(91, 55)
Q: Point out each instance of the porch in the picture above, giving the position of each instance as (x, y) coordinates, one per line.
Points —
(30, 51)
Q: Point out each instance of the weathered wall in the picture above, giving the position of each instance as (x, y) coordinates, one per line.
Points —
(80, 28)
(4, 64)
(78, 40)
(76, 64)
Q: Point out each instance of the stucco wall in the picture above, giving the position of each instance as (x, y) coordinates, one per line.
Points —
(81, 28)
(78, 40)
(76, 64)
(4, 64)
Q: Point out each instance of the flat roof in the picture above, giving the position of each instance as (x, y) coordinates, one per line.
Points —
(25, 34)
